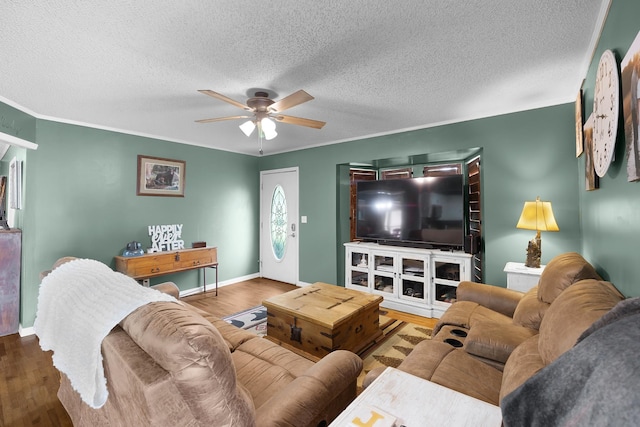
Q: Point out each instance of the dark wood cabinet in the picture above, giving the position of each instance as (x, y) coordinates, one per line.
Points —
(10, 255)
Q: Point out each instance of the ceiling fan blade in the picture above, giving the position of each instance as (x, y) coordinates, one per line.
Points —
(220, 119)
(292, 100)
(224, 98)
(316, 124)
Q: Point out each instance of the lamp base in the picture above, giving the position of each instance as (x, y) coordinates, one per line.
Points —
(534, 253)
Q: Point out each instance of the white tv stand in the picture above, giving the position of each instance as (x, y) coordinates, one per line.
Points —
(412, 280)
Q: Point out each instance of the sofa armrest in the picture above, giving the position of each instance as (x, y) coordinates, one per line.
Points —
(168, 288)
(496, 340)
(308, 396)
(495, 298)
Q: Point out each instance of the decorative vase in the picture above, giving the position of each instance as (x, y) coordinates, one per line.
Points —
(133, 249)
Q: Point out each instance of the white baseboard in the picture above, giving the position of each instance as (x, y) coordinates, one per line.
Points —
(199, 289)
(25, 332)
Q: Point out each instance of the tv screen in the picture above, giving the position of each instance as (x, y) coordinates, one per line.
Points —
(426, 211)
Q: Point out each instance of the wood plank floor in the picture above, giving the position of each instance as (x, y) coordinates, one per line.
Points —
(29, 382)
(239, 296)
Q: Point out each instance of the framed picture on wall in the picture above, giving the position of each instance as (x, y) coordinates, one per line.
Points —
(630, 80)
(15, 184)
(591, 179)
(160, 177)
(579, 124)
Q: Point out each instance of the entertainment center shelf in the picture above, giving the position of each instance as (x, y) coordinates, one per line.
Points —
(413, 280)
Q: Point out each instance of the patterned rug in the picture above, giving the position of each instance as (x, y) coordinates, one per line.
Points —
(392, 350)
(397, 341)
(253, 320)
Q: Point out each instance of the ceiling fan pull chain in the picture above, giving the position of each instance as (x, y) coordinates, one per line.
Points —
(260, 151)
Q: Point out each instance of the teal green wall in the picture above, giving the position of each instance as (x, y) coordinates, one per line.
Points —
(524, 155)
(81, 201)
(79, 191)
(611, 215)
(17, 123)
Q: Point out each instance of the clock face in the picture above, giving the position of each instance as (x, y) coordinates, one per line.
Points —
(606, 106)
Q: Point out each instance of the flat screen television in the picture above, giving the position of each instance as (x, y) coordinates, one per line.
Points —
(420, 212)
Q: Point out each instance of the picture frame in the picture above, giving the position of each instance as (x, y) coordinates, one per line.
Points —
(158, 176)
(579, 125)
(591, 179)
(4, 224)
(15, 184)
(630, 81)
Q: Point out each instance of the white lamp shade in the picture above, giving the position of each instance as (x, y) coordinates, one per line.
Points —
(247, 127)
(268, 128)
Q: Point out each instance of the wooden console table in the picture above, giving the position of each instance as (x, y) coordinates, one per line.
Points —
(146, 266)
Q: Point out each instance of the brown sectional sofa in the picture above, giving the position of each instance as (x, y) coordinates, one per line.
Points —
(497, 320)
(171, 364)
(510, 336)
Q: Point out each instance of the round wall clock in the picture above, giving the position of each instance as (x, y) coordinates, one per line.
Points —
(606, 107)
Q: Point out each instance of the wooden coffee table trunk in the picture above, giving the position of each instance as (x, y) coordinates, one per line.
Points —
(321, 318)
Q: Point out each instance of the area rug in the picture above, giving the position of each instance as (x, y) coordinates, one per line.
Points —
(253, 320)
(393, 349)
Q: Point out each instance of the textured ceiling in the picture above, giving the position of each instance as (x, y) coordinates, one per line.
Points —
(373, 67)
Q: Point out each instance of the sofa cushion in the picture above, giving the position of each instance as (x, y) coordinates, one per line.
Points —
(455, 369)
(264, 368)
(530, 310)
(188, 346)
(572, 313)
(524, 362)
(464, 373)
(495, 340)
(561, 272)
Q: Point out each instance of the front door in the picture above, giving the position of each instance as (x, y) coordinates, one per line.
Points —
(279, 225)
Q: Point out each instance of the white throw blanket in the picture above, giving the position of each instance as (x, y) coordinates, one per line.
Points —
(78, 305)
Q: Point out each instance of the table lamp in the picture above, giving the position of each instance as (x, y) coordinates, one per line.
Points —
(538, 216)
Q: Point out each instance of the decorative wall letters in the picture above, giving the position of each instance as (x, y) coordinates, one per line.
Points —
(166, 237)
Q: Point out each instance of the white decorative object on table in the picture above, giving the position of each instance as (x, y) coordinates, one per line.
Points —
(166, 237)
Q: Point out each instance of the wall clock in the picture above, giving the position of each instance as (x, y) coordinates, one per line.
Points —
(606, 107)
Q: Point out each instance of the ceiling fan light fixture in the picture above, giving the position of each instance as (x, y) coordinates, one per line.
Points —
(266, 112)
(247, 127)
(268, 128)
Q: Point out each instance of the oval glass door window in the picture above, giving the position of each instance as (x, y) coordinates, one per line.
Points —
(279, 222)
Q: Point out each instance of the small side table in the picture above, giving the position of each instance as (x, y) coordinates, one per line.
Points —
(520, 277)
(407, 400)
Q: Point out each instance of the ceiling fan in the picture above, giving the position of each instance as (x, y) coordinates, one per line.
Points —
(265, 110)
